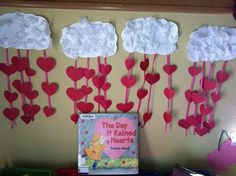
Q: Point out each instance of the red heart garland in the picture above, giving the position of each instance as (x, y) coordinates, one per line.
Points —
(169, 92)
(86, 90)
(30, 72)
(26, 118)
(152, 78)
(85, 107)
(20, 63)
(11, 114)
(169, 69)
(105, 69)
(7, 70)
(222, 76)
(49, 111)
(183, 124)
(208, 84)
(194, 121)
(209, 124)
(74, 118)
(106, 86)
(125, 107)
(201, 131)
(74, 73)
(146, 117)
(129, 63)
(188, 95)
(205, 109)
(144, 64)
(46, 64)
(89, 73)
(167, 117)
(98, 81)
(128, 81)
(197, 97)
(106, 104)
(99, 98)
(75, 94)
(141, 93)
(10, 96)
(31, 109)
(49, 88)
(194, 71)
(215, 97)
(32, 94)
(22, 87)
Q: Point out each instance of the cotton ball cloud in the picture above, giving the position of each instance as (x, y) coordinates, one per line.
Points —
(24, 31)
(212, 43)
(150, 36)
(89, 39)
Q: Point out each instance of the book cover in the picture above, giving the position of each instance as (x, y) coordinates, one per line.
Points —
(108, 143)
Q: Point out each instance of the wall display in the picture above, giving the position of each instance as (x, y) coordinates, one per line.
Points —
(206, 46)
(22, 32)
(93, 41)
(150, 36)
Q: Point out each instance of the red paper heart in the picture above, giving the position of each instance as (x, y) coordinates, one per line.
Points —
(31, 110)
(32, 94)
(85, 107)
(125, 107)
(10, 96)
(129, 63)
(208, 84)
(105, 69)
(89, 73)
(209, 124)
(29, 71)
(152, 78)
(106, 104)
(205, 109)
(106, 86)
(215, 97)
(98, 81)
(128, 81)
(188, 95)
(74, 73)
(75, 94)
(221, 76)
(99, 98)
(49, 88)
(46, 64)
(20, 63)
(49, 111)
(201, 131)
(86, 90)
(169, 69)
(194, 121)
(141, 93)
(183, 124)
(197, 97)
(74, 118)
(11, 114)
(144, 64)
(146, 117)
(194, 71)
(167, 117)
(26, 118)
(22, 87)
(169, 92)
(7, 70)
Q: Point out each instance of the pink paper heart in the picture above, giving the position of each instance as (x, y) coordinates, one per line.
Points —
(183, 124)
(129, 63)
(215, 97)
(125, 107)
(209, 124)
(20, 63)
(98, 98)
(194, 71)
(11, 113)
(169, 69)
(7, 70)
(85, 107)
(98, 81)
(208, 84)
(10, 96)
(105, 69)
(74, 118)
(222, 76)
(32, 94)
(75, 94)
(204, 109)
(31, 110)
(188, 95)
(141, 93)
(30, 72)
(197, 97)
(167, 117)
(128, 81)
(152, 78)
(169, 92)
(201, 131)
(49, 111)
(146, 117)
(194, 121)
(22, 87)
(74, 73)
(26, 118)
(106, 86)
(106, 104)
(86, 90)
(89, 73)
(49, 88)
(46, 64)
(144, 65)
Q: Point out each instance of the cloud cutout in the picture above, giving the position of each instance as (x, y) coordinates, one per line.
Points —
(150, 36)
(89, 39)
(212, 43)
(24, 31)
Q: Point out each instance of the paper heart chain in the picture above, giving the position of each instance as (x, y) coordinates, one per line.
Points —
(128, 81)
(169, 92)
(46, 64)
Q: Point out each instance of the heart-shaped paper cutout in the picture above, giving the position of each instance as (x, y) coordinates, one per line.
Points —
(98, 81)
(209, 124)
(109, 150)
(86, 90)
(49, 88)
(32, 94)
(194, 121)
(125, 107)
(128, 81)
(215, 97)
(197, 97)
(20, 63)
(167, 117)
(194, 71)
(85, 107)
(75, 94)
(11, 113)
(169, 69)
(46, 64)
(89, 73)
(106, 86)
(30, 72)
(201, 131)
(152, 78)
(169, 92)
(49, 111)
(10, 96)
(205, 110)
(74, 73)
(129, 63)
(208, 84)
(31, 110)
(26, 118)
(74, 118)
(144, 64)
(141, 93)
(99, 98)
(188, 95)
(7, 70)
(105, 69)
(146, 117)
(222, 76)
(183, 124)
(106, 104)
(22, 87)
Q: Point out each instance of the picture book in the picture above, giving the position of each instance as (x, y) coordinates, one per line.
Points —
(108, 143)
